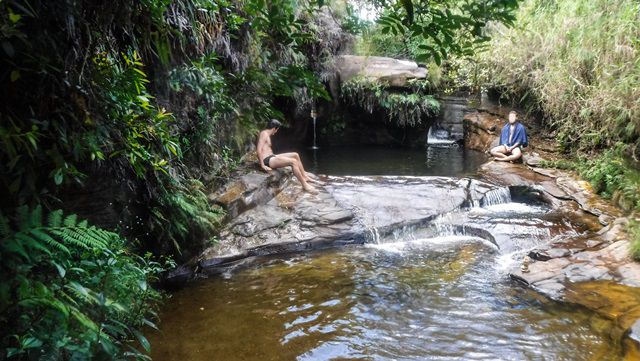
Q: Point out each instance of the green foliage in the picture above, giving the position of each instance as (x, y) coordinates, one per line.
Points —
(146, 138)
(191, 215)
(443, 28)
(374, 42)
(405, 109)
(610, 173)
(69, 290)
(634, 232)
(577, 61)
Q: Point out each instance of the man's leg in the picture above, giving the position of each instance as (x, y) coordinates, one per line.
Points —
(516, 153)
(296, 156)
(500, 152)
(281, 162)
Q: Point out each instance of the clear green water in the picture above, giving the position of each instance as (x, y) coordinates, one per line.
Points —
(439, 299)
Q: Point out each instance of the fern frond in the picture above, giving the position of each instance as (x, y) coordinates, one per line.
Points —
(55, 219)
(71, 220)
(13, 245)
(30, 243)
(106, 236)
(69, 238)
(43, 236)
(88, 236)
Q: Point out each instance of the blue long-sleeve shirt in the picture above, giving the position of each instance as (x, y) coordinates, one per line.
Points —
(519, 136)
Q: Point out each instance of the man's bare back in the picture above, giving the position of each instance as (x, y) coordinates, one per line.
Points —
(269, 161)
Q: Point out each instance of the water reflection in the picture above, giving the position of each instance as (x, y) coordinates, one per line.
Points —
(445, 300)
(383, 160)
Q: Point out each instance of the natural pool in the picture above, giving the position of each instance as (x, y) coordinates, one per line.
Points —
(437, 299)
(423, 294)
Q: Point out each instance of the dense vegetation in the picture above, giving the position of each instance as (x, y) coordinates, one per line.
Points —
(428, 32)
(406, 109)
(71, 291)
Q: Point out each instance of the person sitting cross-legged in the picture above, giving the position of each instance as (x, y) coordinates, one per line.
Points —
(512, 138)
(268, 160)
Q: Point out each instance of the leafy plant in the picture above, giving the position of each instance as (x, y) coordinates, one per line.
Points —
(634, 232)
(405, 109)
(69, 290)
(192, 217)
(147, 140)
(445, 27)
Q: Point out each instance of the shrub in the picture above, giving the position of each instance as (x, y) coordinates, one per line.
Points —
(69, 290)
(577, 62)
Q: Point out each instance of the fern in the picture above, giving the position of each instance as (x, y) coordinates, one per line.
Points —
(56, 236)
(71, 220)
(72, 280)
(55, 219)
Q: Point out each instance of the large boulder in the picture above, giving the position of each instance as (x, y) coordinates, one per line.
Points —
(391, 71)
(481, 130)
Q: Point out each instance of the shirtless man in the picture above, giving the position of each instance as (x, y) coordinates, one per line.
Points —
(512, 137)
(269, 161)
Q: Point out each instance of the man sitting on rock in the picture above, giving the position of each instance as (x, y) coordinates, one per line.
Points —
(269, 161)
(512, 138)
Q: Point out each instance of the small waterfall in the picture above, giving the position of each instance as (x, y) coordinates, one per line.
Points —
(439, 137)
(496, 196)
(444, 225)
(315, 146)
(375, 234)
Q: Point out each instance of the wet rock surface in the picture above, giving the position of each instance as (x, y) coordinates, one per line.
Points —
(564, 267)
(347, 210)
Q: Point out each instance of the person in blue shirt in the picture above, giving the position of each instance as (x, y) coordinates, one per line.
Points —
(512, 139)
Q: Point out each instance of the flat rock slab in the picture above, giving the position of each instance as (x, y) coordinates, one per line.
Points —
(293, 220)
(344, 212)
(384, 201)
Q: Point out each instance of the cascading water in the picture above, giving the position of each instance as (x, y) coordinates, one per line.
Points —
(314, 116)
(439, 137)
(447, 129)
(496, 196)
(431, 288)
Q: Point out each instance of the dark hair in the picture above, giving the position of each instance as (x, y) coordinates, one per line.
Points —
(273, 123)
